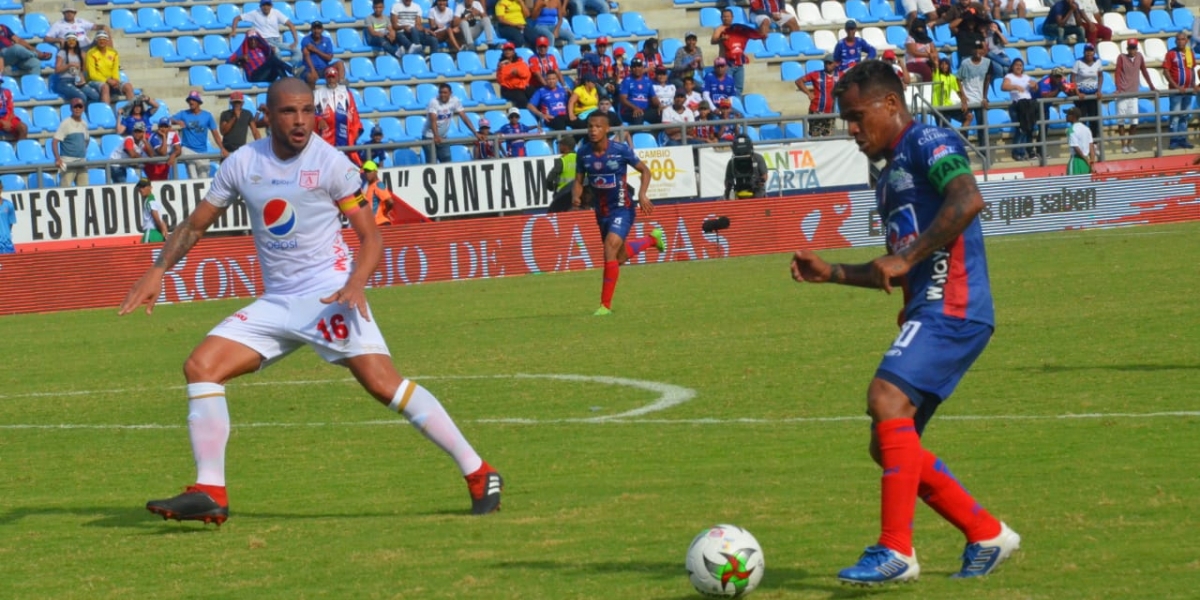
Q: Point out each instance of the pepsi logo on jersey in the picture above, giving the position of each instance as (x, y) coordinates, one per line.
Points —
(279, 218)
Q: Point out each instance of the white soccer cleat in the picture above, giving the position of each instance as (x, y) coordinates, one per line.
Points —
(982, 558)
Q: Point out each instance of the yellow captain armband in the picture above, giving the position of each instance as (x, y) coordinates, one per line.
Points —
(351, 204)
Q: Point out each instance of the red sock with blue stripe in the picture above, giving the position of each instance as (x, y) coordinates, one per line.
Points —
(635, 247)
(612, 270)
(946, 496)
(900, 450)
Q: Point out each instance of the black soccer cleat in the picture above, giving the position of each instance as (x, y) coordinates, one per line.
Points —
(192, 505)
(485, 485)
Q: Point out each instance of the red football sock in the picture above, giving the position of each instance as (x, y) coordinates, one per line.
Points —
(635, 247)
(612, 270)
(217, 492)
(900, 447)
(946, 496)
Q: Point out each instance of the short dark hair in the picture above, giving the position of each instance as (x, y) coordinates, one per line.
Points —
(444, 86)
(871, 76)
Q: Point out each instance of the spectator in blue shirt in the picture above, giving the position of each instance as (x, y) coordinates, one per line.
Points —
(376, 155)
(550, 104)
(317, 51)
(719, 83)
(195, 125)
(851, 49)
(1058, 24)
(635, 93)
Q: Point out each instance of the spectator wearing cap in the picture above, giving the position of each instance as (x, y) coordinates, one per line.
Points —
(688, 59)
(725, 112)
(513, 133)
(442, 25)
(11, 126)
(664, 89)
(1088, 76)
(947, 92)
(82, 28)
(511, 19)
(635, 94)
(70, 146)
(409, 24)
(514, 76)
(266, 22)
(543, 63)
(484, 146)
(920, 53)
(584, 99)
(889, 57)
(1130, 65)
(18, 55)
(141, 108)
(766, 13)
(549, 104)
(705, 132)
(473, 20)
(236, 124)
(974, 78)
(337, 117)
(167, 147)
(719, 84)
(547, 21)
(818, 86)
(258, 60)
(377, 155)
(316, 50)
(439, 114)
(1061, 23)
(1081, 142)
(616, 73)
(195, 125)
(154, 229)
(134, 145)
(379, 33)
(851, 49)
(678, 112)
(104, 69)
(651, 56)
(733, 49)
(382, 199)
(1179, 69)
(69, 80)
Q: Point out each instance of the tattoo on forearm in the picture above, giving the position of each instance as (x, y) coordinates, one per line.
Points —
(836, 273)
(962, 203)
(177, 246)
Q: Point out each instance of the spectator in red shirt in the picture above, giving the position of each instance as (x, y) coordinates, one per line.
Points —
(10, 126)
(818, 86)
(543, 63)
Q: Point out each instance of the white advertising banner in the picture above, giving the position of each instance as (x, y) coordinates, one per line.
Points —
(793, 168)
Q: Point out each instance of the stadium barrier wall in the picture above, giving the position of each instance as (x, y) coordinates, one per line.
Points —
(227, 267)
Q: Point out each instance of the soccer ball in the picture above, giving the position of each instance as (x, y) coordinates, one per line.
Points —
(725, 561)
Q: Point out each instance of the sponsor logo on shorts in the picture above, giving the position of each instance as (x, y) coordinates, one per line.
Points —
(279, 218)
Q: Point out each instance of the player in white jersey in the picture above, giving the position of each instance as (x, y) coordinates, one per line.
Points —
(295, 187)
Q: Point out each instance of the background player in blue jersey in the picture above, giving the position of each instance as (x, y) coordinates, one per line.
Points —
(929, 204)
(601, 166)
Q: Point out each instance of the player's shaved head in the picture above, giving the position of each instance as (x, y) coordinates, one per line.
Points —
(290, 116)
(873, 78)
(286, 86)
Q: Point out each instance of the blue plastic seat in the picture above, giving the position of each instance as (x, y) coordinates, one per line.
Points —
(469, 63)
(1138, 21)
(14, 23)
(757, 49)
(179, 19)
(123, 19)
(896, 35)
(584, 27)
(460, 154)
(334, 12)
(542, 148)
(403, 98)
(217, 46)
(362, 69)
(415, 66)
(1160, 20)
(1062, 56)
(393, 130)
(205, 17)
(230, 77)
(756, 106)
(710, 17)
(164, 48)
(388, 67)
(1021, 31)
(802, 42)
(415, 125)
(350, 40)
(12, 182)
(1183, 19)
(307, 11)
(101, 115)
(36, 24)
(777, 44)
(35, 87)
(360, 9)
(11, 85)
(459, 91)
(857, 10)
(188, 47)
(44, 118)
(608, 24)
(226, 13)
(443, 64)
(793, 131)
(151, 19)
(642, 139)
(200, 76)
(376, 99)
(770, 131)
(483, 93)
(884, 11)
(791, 70)
(998, 122)
(942, 36)
(30, 152)
(635, 24)
(1037, 57)
(425, 93)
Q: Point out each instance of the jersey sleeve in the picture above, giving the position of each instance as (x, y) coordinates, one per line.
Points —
(943, 155)
(631, 157)
(344, 185)
(223, 190)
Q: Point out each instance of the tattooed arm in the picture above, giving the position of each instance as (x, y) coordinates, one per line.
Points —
(147, 289)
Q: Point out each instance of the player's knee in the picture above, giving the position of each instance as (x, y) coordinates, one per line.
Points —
(885, 401)
(199, 368)
(873, 450)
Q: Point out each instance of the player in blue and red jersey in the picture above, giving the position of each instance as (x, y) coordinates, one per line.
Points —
(601, 165)
(929, 204)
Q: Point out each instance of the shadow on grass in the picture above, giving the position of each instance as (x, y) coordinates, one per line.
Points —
(130, 517)
(776, 578)
(1129, 368)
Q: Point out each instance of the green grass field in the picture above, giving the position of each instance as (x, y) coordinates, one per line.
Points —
(1078, 426)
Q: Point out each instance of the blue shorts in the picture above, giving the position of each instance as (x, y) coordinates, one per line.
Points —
(930, 357)
(618, 221)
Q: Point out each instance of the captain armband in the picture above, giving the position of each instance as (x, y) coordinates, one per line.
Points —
(351, 204)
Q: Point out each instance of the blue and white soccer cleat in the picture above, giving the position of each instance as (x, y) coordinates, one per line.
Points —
(879, 565)
(982, 558)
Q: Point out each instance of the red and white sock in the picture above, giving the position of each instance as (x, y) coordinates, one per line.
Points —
(208, 428)
(900, 449)
(428, 416)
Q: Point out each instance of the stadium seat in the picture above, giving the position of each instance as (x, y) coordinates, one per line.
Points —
(188, 47)
(205, 17)
(226, 13)
(459, 91)
(362, 69)
(217, 46)
(483, 93)
(11, 85)
(710, 17)
(469, 63)
(757, 49)
(425, 93)
(404, 98)
(93, 150)
(1160, 21)
(667, 47)
(1037, 57)
(610, 25)
(642, 139)
(824, 40)
(884, 11)
(30, 152)
(101, 115)
(415, 66)
(1182, 18)
(44, 118)
(36, 24)
(584, 27)
(794, 131)
(109, 143)
(164, 48)
(14, 23)
(635, 24)
(1155, 50)
(406, 157)
(35, 88)
(460, 154)
(998, 123)
(542, 147)
(857, 10)
(361, 9)
(1022, 31)
(230, 77)
(809, 14)
(815, 64)
(1062, 56)
(1116, 22)
(790, 70)
(896, 35)
(388, 67)
(752, 133)
(335, 12)
(350, 40)
(179, 19)
(877, 38)
(393, 130)
(756, 106)
(200, 76)
(443, 64)
(151, 20)
(123, 19)
(802, 42)
(376, 99)
(415, 125)
(770, 131)
(833, 12)
(12, 182)
(777, 45)
(307, 11)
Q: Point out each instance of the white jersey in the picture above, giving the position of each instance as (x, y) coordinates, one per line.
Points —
(150, 205)
(267, 26)
(293, 210)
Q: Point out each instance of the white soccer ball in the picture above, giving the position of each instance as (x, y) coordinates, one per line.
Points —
(725, 561)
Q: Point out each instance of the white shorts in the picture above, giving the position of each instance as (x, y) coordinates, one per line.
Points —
(780, 22)
(1128, 108)
(921, 7)
(274, 326)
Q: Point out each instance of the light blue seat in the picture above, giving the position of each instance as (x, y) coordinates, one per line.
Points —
(483, 93)
(425, 93)
(226, 13)
(11, 85)
(777, 45)
(101, 115)
(469, 63)
(230, 77)
(443, 64)
(151, 19)
(406, 157)
(164, 48)
(710, 17)
(1037, 57)
(205, 17)
(179, 19)
(123, 19)
(93, 150)
(542, 148)
(896, 35)
(770, 131)
(11, 181)
(610, 25)
(1062, 56)
(350, 40)
(460, 154)
(790, 70)
(414, 65)
(376, 99)
(642, 139)
(793, 131)
(335, 12)
(361, 9)
(36, 24)
(415, 125)
(201, 76)
(802, 42)
(362, 69)
(388, 67)
(393, 130)
(44, 118)
(1021, 31)
(404, 98)
(188, 47)
(756, 49)
(635, 24)
(109, 143)
(1159, 20)
(459, 91)
(584, 27)
(1138, 21)
(217, 46)
(35, 87)
(756, 106)
(884, 10)
(1183, 19)
(30, 152)
(307, 11)
(14, 23)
